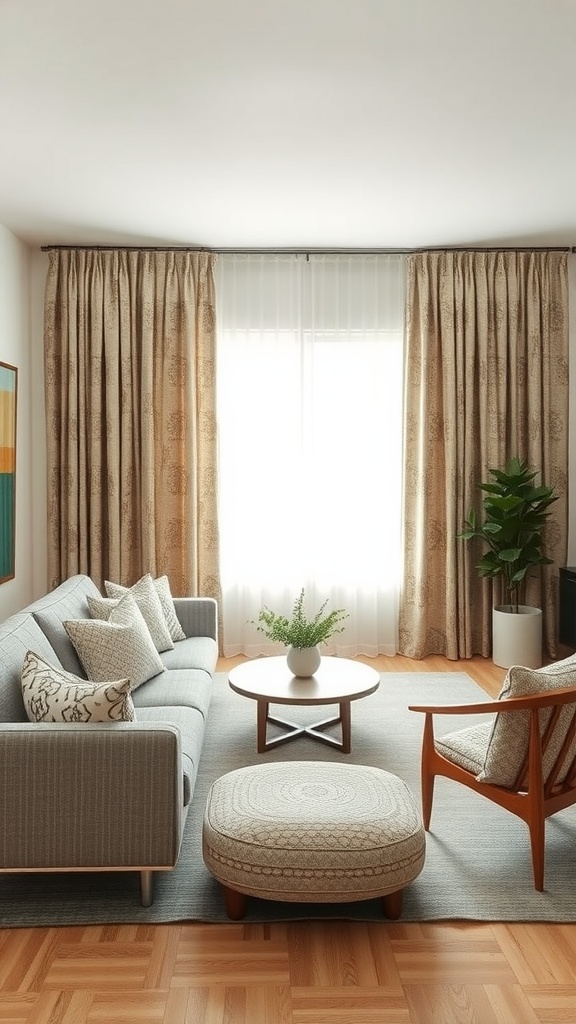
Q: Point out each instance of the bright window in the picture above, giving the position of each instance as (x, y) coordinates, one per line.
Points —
(310, 393)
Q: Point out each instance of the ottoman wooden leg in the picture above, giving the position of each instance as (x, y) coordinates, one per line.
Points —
(236, 903)
(392, 904)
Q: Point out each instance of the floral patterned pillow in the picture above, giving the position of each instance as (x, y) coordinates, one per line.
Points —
(53, 695)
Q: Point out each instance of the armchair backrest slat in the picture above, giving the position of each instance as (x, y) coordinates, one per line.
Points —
(558, 766)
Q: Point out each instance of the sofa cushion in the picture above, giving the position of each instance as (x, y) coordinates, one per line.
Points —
(199, 652)
(68, 601)
(54, 695)
(161, 588)
(191, 725)
(508, 743)
(121, 646)
(177, 687)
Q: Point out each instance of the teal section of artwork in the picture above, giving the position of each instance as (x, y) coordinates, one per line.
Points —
(7, 482)
(7, 379)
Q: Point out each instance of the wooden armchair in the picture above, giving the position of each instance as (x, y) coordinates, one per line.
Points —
(544, 775)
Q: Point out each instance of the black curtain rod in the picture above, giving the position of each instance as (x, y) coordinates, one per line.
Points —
(128, 248)
(312, 252)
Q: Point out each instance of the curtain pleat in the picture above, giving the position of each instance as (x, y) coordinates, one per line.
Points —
(131, 417)
(486, 379)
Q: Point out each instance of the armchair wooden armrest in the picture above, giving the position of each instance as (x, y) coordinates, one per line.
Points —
(548, 698)
(546, 780)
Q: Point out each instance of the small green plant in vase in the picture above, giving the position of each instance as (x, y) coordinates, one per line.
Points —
(301, 633)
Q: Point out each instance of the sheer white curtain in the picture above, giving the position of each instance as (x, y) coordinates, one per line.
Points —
(310, 396)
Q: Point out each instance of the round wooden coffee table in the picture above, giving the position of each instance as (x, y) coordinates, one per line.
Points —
(337, 681)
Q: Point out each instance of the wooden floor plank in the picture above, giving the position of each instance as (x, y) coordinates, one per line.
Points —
(511, 1004)
(347, 1005)
(471, 962)
(16, 1007)
(249, 963)
(164, 950)
(535, 954)
(122, 1006)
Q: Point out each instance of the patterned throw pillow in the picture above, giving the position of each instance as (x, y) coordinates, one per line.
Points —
(162, 588)
(144, 593)
(53, 695)
(508, 743)
(167, 601)
(120, 646)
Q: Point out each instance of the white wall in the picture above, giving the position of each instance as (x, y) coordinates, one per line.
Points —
(15, 348)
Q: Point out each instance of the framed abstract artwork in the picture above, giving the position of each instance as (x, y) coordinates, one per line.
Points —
(8, 395)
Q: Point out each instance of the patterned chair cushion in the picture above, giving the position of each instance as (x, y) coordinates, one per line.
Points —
(54, 695)
(466, 747)
(121, 646)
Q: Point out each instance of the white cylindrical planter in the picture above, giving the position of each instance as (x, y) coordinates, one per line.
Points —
(303, 661)
(517, 636)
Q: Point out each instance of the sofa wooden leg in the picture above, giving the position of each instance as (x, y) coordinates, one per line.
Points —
(236, 903)
(392, 904)
(146, 888)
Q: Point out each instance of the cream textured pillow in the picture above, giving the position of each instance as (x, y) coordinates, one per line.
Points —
(508, 743)
(53, 695)
(162, 588)
(144, 593)
(162, 585)
(121, 646)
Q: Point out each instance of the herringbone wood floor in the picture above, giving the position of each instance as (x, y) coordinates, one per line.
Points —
(304, 973)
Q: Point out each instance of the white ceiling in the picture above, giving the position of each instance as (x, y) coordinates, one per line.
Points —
(288, 123)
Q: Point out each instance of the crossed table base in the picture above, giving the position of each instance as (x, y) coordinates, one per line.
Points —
(337, 681)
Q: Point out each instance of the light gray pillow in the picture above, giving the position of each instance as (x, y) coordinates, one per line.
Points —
(53, 695)
(162, 587)
(144, 593)
(121, 646)
(508, 743)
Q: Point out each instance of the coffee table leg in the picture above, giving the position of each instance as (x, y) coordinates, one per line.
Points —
(263, 706)
(345, 717)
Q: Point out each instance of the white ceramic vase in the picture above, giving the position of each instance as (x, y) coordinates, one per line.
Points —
(303, 661)
(517, 637)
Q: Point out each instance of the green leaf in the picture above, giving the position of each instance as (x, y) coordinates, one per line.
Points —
(300, 630)
(512, 524)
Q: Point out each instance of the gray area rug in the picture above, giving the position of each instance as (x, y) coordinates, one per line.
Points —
(478, 864)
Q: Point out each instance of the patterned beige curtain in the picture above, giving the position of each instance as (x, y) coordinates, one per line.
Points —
(486, 379)
(131, 422)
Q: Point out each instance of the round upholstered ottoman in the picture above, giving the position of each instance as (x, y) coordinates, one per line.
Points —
(312, 831)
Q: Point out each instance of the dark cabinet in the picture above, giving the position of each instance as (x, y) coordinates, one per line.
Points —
(567, 617)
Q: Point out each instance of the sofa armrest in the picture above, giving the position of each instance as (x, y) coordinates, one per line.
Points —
(93, 796)
(198, 616)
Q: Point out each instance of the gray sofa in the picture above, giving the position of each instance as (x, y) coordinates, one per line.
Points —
(101, 797)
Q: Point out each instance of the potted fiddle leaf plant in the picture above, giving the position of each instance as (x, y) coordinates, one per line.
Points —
(301, 633)
(515, 512)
